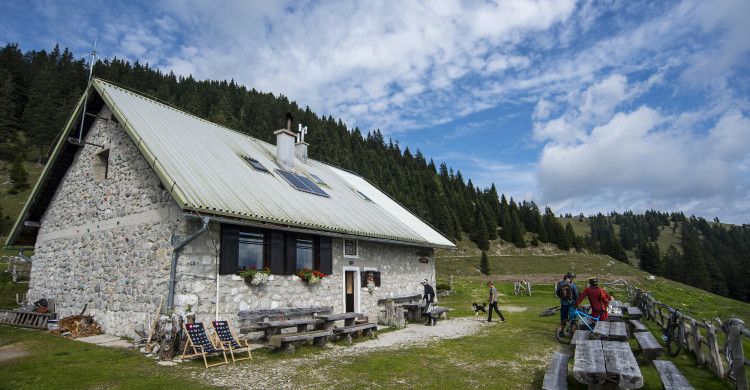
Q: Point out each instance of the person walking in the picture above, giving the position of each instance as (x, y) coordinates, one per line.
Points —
(493, 303)
(429, 299)
(598, 298)
(567, 291)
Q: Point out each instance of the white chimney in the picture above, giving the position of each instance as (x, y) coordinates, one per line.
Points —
(300, 151)
(285, 148)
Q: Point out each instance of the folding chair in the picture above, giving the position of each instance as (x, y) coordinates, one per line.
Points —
(229, 339)
(201, 344)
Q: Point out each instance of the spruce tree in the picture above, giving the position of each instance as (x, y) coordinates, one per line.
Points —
(484, 264)
(517, 232)
(480, 232)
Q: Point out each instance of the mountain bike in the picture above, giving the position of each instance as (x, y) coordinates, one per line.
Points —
(564, 331)
(673, 334)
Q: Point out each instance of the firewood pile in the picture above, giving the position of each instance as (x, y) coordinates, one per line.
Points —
(77, 326)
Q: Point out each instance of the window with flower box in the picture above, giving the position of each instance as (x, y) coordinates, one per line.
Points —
(282, 252)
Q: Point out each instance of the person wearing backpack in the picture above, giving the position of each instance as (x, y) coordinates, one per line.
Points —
(567, 291)
(598, 298)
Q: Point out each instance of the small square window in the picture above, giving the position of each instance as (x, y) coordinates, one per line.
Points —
(101, 165)
(350, 248)
(256, 164)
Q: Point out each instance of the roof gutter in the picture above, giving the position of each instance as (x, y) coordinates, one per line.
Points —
(175, 255)
(289, 228)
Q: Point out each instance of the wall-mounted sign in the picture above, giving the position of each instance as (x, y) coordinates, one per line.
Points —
(424, 260)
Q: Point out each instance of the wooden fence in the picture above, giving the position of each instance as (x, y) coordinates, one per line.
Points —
(716, 344)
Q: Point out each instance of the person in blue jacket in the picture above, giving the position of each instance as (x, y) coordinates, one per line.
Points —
(567, 291)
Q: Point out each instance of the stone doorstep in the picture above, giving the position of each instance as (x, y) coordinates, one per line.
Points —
(106, 340)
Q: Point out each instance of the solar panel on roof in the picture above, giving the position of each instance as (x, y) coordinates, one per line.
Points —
(302, 183)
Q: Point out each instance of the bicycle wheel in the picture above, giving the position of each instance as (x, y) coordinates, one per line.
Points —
(674, 339)
(564, 333)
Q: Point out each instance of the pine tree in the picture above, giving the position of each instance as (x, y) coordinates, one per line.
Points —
(480, 232)
(650, 258)
(516, 235)
(484, 264)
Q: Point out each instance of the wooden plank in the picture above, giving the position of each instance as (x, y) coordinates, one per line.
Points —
(279, 339)
(618, 331)
(650, 348)
(637, 326)
(355, 328)
(621, 363)
(291, 323)
(589, 365)
(406, 299)
(338, 316)
(634, 313)
(556, 377)
(671, 377)
(601, 329)
(579, 336)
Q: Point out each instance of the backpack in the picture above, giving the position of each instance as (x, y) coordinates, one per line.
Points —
(564, 291)
(604, 298)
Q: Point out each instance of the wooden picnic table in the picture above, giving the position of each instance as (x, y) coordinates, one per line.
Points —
(611, 330)
(606, 364)
(275, 327)
(330, 319)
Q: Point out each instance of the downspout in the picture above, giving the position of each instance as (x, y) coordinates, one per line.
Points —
(175, 255)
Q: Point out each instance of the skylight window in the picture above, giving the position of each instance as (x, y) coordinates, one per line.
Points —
(318, 180)
(302, 183)
(364, 196)
(256, 164)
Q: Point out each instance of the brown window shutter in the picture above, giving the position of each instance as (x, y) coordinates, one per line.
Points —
(376, 278)
(277, 252)
(326, 256)
(363, 278)
(290, 259)
(229, 250)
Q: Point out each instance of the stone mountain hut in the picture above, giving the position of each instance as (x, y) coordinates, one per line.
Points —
(146, 203)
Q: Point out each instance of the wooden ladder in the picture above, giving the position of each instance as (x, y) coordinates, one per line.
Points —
(24, 319)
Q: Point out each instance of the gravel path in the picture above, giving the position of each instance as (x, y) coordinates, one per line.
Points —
(275, 374)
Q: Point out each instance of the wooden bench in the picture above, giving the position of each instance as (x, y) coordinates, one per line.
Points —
(650, 348)
(579, 336)
(634, 313)
(671, 377)
(287, 341)
(368, 329)
(556, 377)
(637, 326)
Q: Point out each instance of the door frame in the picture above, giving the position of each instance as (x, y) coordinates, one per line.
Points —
(357, 286)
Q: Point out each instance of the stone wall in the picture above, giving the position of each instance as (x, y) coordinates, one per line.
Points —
(108, 243)
(401, 274)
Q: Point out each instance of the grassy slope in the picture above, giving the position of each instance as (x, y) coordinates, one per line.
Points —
(13, 203)
(58, 363)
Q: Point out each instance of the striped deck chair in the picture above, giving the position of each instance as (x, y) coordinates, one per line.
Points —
(229, 339)
(201, 344)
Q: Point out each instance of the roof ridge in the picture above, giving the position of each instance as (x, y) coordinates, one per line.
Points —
(175, 108)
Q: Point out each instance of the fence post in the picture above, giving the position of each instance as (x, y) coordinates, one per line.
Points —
(697, 342)
(713, 351)
(734, 341)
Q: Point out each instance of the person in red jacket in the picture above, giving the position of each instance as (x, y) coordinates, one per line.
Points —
(598, 298)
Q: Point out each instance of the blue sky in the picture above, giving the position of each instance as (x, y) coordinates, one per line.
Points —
(583, 105)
